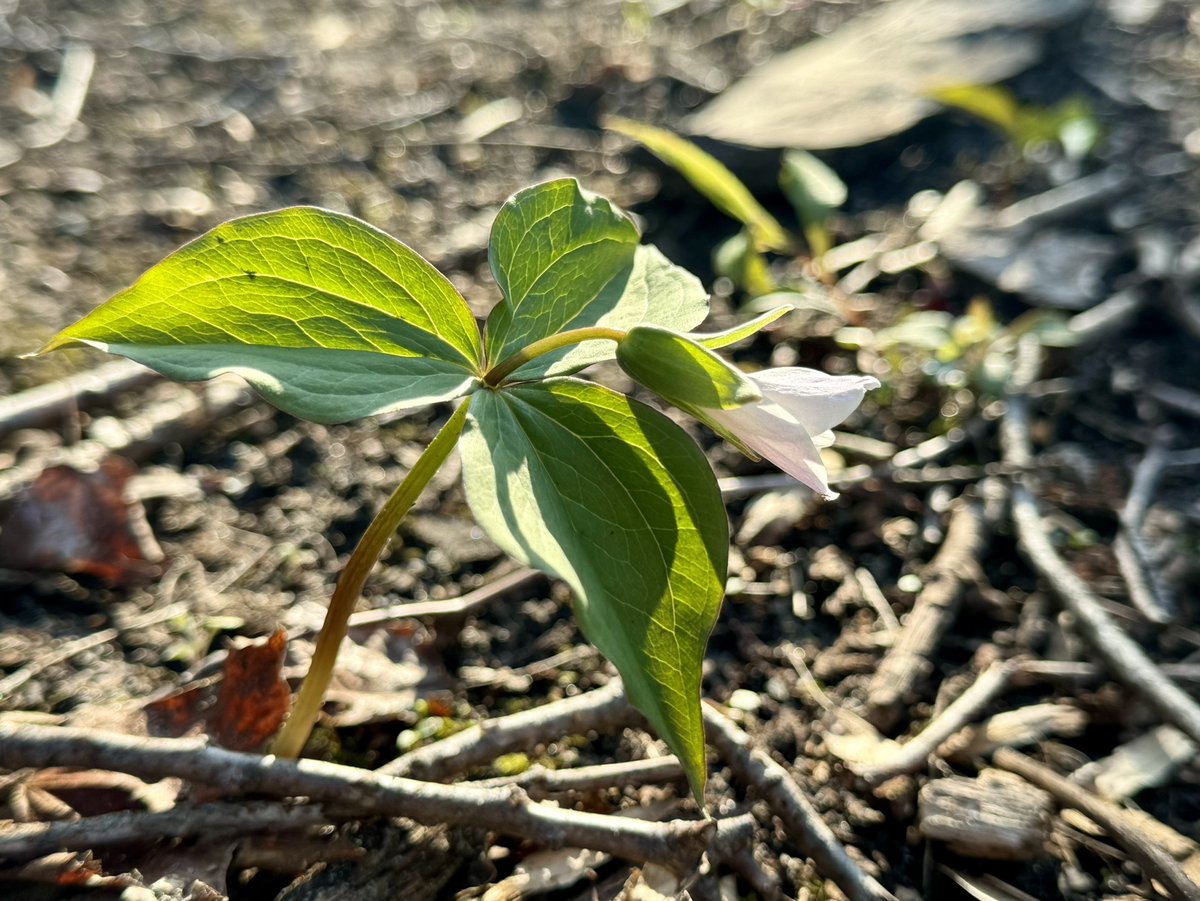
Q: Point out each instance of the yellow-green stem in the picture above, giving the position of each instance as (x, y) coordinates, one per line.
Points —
(295, 732)
(509, 365)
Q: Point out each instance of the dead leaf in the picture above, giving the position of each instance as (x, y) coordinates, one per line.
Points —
(240, 710)
(254, 698)
(81, 522)
(873, 76)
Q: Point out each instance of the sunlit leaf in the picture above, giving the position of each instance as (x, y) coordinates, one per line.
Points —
(567, 259)
(743, 330)
(612, 497)
(328, 317)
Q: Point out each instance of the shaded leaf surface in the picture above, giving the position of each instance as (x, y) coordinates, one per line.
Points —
(615, 499)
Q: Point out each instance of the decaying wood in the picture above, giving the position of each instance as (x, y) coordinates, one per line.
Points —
(955, 564)
(994, 815)
(1156, 862)
(402, 861)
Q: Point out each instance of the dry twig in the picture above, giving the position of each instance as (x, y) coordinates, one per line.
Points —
(604, 708)
(211, 821)
(1124, 658)
(677, 844)
(1156, 862)
(804, 825)
(911, 755)
(932, 614)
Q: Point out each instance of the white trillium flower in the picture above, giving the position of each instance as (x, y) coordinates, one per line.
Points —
(798, 408)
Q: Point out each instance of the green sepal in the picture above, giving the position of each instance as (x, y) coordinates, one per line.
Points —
(683, 371)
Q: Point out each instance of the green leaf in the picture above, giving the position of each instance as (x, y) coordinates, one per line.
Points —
(713, 340)
(683, 371)
(812, 187)
(737, 259)
(711, 178)
(328, 317)
(567, 259)
(612, 497)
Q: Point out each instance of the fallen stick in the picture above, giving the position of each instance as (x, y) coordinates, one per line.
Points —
(472, 600)
(209, 821)
(602, 709)
(180, 412)
(45, 403)
(538, 781)
(1124, 657)
(1154, 861)
(800, 819)
(1147, 590)
(932, 615)
(676, 844)
(913, 754)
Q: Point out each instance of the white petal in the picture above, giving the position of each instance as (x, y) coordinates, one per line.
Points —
(771, 431)
(816, 400)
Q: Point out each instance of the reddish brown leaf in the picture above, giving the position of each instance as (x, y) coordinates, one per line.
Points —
(254, 697)
(81, 522)
(240, 710)
(182, 711)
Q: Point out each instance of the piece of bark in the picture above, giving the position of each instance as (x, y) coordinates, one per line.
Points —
(995, 816)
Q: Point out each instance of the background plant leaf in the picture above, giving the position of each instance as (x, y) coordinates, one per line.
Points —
(711, 178)
(612, 497)
(328, 317)
(567, 259)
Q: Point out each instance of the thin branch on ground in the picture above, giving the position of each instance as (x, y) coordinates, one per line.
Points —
(676, 844)
(951, 568)
(1078, 671)
(600, 710)
(1124, 657)
(209, 821)
(516, 580)
(912, 755)
(539, 782)
(178, 413)
(1156, 862)
(1147, 590)
(61, 654)
(803, 824)
(42, 405)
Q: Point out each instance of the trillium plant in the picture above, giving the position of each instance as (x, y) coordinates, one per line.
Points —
(331, 319)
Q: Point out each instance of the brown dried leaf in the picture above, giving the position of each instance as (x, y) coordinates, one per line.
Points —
(81, 522)
(254, 698)
(240, 710)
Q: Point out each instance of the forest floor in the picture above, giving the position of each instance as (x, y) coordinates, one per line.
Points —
(1012, 563)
